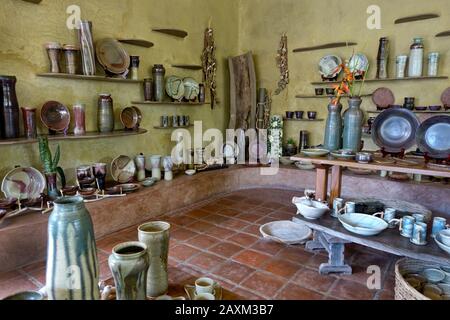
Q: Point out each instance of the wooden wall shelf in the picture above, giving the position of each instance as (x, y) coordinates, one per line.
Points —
(174, 128)
(187, 66)
(137, 42)
(33, 1)
(416, 18)
(303, 120)
(83, 77)
(324, 83)
(301, 96)
(415, 111)
(170, 103)
(443, 34)
(326, 46)
(172, 32)
(71, 136)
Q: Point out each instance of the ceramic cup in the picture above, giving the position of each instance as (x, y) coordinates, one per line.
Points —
(406, 226)
(205, 296)
(389, 215)
(338, 205)
(419, 217)
(289, 114)
(299, 114)
(350, 207)
(99, 170)
(312, 115)
(419, 234)
(164, 121)
(204, 285)
(156, 167)
(439, 224)
(319, 91)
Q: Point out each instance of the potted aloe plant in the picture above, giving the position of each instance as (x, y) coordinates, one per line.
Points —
(51, 168)
(290, 148)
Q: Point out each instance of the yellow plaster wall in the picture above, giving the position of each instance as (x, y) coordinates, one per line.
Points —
(315, 22)
(25, 27)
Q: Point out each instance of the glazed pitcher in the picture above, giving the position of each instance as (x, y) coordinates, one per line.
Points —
(156, 236)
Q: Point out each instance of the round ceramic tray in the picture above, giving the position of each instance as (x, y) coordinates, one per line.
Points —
(131, 117)
(441, 244)
(175, 87)
(191, 89)
(286, 232)
(395, 129)
(23, 183)
(330, 66)
(55, 116)
(358, 64)
(112, 56)
(315, 152)
(433, 137)
(383, 98)
(123, 169)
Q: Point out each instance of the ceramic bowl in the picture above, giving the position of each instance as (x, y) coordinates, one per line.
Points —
(129, 187)
(26, 295)
(435, 108)
(315, 152)
(149, 182)
(363, 224)
(190, 172)
(286, 161)
(87, 192)
(445, 237)
(319, 91)
(343, 154)
(364, 157)
(70, 190)
(432, 291)
(310, 209)
(421, 108)
(113, 190)
(330, 91)
(7, 203)
(305, 165)
(312, 115)
(433, 275)
(447, 274)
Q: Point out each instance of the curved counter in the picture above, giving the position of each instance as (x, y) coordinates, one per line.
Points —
(23, 240)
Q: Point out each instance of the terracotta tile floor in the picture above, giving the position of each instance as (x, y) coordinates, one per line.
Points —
(221, 239)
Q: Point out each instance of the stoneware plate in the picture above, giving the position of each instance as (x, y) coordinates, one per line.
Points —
(190, 291)
(433, 136)
(286, 232)
(445, 98)
(363, 224)
(395, 129)
(315, 152)
(191, 89)
(129, 187)
(23, 183)
(358, 64)
(383, 98)
(55, 116)
(123, 169)
(343, 154)
(330, 66)
(175, 87)
(131, 117)
(112, 56)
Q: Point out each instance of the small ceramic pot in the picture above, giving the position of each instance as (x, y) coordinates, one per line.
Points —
(312, 115)
(71, 54)
(299, 114)
(330, 91)
(156, 167)
(80, 119)
(29, 122)
(364, 157)
(289, 114)
(168, 165)
(140, 167)
(439, 224)
(435, 108)
(99, 171)
(148, 89)
(319, 91)
(54, 50)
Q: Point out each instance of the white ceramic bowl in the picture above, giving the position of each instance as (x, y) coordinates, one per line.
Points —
(286, 161)
(190, 172)
(363, 224)
(310, 209)
(445, 237)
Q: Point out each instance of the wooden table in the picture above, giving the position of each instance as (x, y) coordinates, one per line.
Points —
(324, 164)
(329, 234)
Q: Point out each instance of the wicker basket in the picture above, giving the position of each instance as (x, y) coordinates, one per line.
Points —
(403, 290)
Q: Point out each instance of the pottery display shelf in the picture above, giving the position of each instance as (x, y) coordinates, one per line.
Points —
(303, 120)
(71, 136)
(187, 66)
(415, 111)
(88, 78)
(302, 96)
(172, 103)
(317, 83)
(173, 128)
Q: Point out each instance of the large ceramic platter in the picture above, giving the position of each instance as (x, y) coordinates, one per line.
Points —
(112, 56)
(191, 89)
(23, 183)
(433, 137)
(330, 66)
(286, 232)
(55, 116)
(395, 129)
(445, 98)
(363, 224)
(358, 64)
(383, 98)
(123, 169)
(175, 87)
(315, 152)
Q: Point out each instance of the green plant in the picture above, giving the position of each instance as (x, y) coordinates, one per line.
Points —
(49, 163)
(291, 141)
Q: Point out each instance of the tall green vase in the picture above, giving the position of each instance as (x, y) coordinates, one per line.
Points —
(353, 121)
(72, 265)
(333, 128)
(129, 265)
(156, 236)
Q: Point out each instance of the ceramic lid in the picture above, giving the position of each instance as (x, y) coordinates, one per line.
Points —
(53, 45)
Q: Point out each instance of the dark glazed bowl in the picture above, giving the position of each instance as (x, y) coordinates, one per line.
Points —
(330, 91)
(289, 114)
(435, 108)
(312, 115)
(299, 114)
(319, 91)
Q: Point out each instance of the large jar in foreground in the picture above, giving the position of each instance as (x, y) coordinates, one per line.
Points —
(353, 120)
(105, 113)
(333, 128)
(129, 264)
(156, 236)
(72, 265)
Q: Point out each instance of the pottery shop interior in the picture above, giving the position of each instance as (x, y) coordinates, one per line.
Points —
(224, 150)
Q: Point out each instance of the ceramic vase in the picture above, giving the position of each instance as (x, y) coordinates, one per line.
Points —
(158, 72)
(333, 128)
(72, 266)
(80, 119)
(105, 113)
(52, 188)
(156, 236)
(9, 112)
(156, 167)
(29, 122)
(353, 120)
(168, 165)
(85, 39)
(140, 167)
(129, 265)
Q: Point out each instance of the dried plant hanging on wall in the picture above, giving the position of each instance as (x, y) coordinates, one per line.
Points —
(209, 64)
(282, 63)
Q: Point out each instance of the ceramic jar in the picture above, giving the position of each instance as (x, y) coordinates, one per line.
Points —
(52, 188)
(400, 64)
(129, 265)
(71, 54)
(168, 165)
(353, 121)
(134, 67)
(382, 58)
(79, 112)
(201, 93)
(9, 112)
(54, 50)
(72, 265)
(140, 167)
(99, 172)
(433, 64)
(156, 236)
(156, 167)
(333, 128)
(148, 89)
(85, 39)
(29, 122)
(105, 113)
(158, 72)
(415, 66)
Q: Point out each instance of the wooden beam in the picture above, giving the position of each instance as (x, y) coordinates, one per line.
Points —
(321, 182)
(336, 183)
(417, 18)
